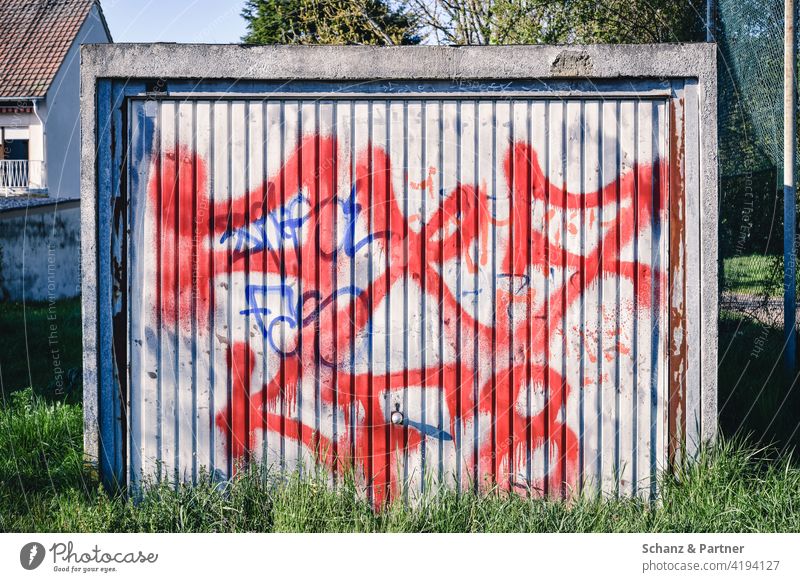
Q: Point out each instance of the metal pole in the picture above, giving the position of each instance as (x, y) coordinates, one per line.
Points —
(789, 155)
(711, 7)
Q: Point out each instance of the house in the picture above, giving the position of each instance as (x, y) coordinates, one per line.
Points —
(40, 143)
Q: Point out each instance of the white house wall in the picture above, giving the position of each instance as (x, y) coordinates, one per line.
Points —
(60, 110)
(33, 240)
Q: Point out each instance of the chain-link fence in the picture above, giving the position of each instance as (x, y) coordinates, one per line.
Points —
(757, 397)
(750, 36)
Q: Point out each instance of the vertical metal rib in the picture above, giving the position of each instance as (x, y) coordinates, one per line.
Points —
(582, 324)
(193, 300)
(352, 334)
(423, 312)
(314, 210)
(618, 161)
(529, 323)
(370, 212)
(546, 254)
(284, 407)
(297, 251)
(212, 363)
(159, 156)
(406, 312)
(389, 239)
(476, 285)
(493, 356)
(334, 204)
(265, 372)
(510, 480)
(459, 297)
(440, 298)
(636, 286)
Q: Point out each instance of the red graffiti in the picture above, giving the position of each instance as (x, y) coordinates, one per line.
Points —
(299, 227)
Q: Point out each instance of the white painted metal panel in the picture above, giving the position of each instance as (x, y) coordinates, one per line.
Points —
(493, 269)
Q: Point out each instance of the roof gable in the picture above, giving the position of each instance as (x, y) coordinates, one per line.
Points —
(35, 36)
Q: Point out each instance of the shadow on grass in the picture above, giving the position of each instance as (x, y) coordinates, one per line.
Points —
(757, 398)
(42, 349)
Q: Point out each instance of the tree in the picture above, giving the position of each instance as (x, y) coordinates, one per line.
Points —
(636, 21)
(464, 22)
(367, 22)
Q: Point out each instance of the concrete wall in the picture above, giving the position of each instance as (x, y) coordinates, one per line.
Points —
(60, 111)
(40, 253)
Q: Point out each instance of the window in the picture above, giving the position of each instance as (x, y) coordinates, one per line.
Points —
(15, 149)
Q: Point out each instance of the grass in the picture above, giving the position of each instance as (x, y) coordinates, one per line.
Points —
(755, 274)
(733, 487)
(42, 349)
(755, 396)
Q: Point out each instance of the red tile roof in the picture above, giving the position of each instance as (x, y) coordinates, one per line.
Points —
(35, 36)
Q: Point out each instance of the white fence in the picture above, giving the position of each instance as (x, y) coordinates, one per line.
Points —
(20, 177)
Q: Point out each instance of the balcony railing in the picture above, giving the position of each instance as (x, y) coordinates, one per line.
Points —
(20, 177)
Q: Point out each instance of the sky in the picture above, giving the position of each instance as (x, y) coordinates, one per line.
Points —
(206, 21)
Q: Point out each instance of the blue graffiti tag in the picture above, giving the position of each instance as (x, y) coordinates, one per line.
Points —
(524, 282)
(283, 226)
(521, 280)
(294, 309)
(272, 231)
(351, 209)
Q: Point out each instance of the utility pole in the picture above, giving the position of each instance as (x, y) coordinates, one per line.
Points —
(789, 199)
(711, 36)
(711, 21)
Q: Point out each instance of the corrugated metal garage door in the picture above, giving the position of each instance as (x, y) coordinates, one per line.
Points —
(494, 269)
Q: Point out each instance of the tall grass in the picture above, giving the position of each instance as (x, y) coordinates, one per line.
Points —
(732, 487)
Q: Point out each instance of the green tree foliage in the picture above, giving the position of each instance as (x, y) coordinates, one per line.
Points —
(465, 22)
(367, 22)
(750, 85)
(634, 21)
(558, 21)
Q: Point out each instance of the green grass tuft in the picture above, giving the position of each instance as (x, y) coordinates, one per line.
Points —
(41, 444)
(760, 275)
